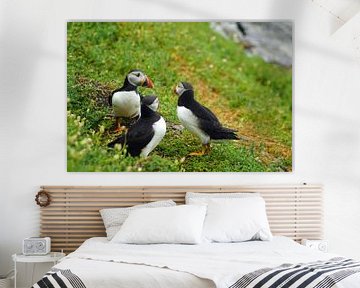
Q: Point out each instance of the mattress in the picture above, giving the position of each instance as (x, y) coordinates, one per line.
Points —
(99, 263)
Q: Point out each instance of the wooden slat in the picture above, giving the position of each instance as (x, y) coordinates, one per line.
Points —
(73, 216)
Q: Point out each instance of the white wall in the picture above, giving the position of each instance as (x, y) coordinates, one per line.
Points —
(33, 92)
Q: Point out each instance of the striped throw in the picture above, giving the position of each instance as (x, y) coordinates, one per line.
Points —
(59, 278)
(320, 274)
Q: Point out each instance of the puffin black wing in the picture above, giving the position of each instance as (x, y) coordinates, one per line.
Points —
(211, 124)
(201, 112)
(209, 114)
(140, 134)
(137, 137)
(218, 132)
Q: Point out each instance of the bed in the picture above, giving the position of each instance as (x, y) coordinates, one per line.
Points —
(99, 263)
(293, 210)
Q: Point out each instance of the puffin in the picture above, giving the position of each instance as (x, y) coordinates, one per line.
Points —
(199, 120)
(126, 100)
(146, 133)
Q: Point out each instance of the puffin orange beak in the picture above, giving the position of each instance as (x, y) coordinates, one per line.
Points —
(148, 83)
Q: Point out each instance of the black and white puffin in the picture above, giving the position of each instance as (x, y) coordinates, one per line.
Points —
(199, 119)
(126, 100)
(144, 135)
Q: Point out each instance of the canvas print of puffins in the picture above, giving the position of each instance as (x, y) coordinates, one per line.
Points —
(179, 96)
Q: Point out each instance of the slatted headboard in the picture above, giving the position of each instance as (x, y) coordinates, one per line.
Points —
(73, 215)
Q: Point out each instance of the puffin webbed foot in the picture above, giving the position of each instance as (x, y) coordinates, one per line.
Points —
(121, 129)
(205, 150)
(118, 126)
(197, 153)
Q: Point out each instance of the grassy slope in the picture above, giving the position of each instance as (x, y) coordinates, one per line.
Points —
(245, 92)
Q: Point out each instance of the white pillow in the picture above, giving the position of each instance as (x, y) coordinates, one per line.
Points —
(203, 198)
(180, 224)
(113, 218)
(236, 220)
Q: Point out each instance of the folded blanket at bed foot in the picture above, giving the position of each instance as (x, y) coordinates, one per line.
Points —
(59, 278)
(319, 274)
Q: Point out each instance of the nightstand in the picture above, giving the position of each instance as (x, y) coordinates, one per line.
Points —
(53, 257)
(320, 245)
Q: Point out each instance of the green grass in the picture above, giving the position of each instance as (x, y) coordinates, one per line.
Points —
(256, 96)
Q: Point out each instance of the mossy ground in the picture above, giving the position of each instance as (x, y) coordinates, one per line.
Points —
(245, 93)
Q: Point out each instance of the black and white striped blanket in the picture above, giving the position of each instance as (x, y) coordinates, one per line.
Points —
(59, 278)
(320, 274)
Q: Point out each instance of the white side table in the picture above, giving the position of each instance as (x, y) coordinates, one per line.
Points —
(53, 257)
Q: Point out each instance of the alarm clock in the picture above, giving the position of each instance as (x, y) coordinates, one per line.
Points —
(320, 245)
(36, 246)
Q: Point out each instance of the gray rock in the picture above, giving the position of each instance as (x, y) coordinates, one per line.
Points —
(270, 40)
(176, 128)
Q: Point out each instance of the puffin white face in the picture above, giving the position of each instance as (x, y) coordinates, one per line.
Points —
(155, 105)
(179, 89)
(182, 87)
(138, 78)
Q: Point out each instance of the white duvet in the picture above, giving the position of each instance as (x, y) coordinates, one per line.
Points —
(100, 263)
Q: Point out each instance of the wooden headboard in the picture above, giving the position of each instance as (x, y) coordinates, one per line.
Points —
(73, 215)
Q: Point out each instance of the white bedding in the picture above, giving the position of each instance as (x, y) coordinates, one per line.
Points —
(100, 263)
